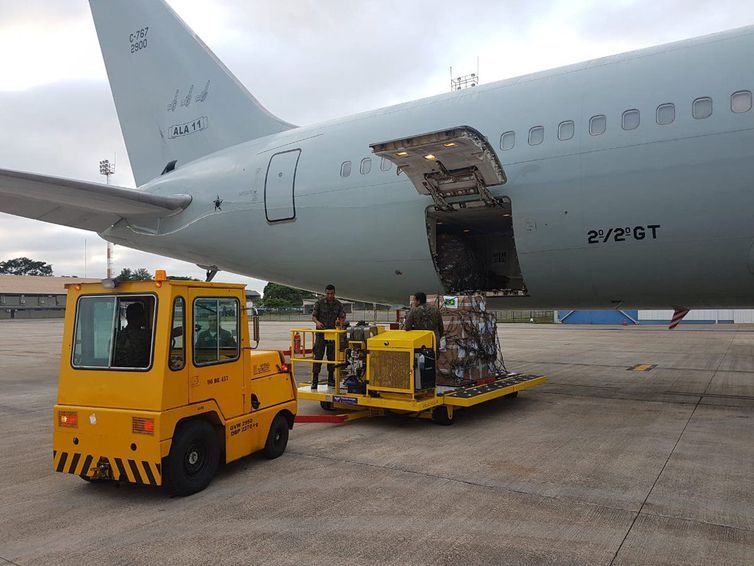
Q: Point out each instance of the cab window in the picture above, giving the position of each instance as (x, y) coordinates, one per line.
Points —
(177, 358)
(215, 331)
(114, 332)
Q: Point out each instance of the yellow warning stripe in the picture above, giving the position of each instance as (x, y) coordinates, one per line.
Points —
(125, 470)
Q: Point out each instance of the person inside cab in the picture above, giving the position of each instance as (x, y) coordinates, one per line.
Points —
(209, 338)
(133, 342)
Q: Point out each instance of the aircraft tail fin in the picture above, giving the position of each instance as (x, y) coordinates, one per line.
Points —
(175, 100)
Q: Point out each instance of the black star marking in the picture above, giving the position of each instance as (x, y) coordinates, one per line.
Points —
(218, 203)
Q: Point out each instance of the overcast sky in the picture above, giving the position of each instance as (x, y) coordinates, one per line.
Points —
(305, 60)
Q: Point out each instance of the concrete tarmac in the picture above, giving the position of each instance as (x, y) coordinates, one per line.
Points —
(602, 465)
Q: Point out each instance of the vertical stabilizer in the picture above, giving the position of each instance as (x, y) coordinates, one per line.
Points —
(175, 100)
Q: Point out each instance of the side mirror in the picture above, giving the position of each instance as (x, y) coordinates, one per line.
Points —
(255, 335)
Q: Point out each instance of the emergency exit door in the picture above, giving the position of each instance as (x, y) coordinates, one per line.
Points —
(279, 186)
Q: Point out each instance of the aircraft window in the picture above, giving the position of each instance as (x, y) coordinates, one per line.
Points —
(385, 165)
(702, 108)
(507, 141)
(597, 125)
(666, 114)
(536, 135)
(630, 119)
(366, 166)
(566, 130)
(345, 169)
(740, 101)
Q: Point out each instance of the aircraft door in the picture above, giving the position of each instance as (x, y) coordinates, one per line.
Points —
(279, 186)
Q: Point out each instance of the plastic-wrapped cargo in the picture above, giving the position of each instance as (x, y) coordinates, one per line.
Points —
(471, 351)
(459, 266)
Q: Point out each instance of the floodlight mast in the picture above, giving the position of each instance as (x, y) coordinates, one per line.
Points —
(106, 168)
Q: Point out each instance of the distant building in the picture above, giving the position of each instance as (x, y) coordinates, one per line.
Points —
(661, 317)
(23, 296)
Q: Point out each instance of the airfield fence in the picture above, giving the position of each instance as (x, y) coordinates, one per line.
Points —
(386, 316)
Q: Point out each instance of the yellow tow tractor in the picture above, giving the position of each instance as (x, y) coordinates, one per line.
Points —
(159, 384)
(379, 371)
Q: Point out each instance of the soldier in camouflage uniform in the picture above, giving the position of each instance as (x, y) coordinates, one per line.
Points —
(424, 317)
(132, 344)
(328, 313)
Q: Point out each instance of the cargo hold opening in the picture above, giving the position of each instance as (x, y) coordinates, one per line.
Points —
(469, 226)
(474, 250)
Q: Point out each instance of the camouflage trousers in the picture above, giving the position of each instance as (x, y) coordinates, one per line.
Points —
(320, 345)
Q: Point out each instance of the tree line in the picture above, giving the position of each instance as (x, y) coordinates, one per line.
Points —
(274, 296)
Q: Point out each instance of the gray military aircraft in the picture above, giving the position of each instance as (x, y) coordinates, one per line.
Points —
(624, 181)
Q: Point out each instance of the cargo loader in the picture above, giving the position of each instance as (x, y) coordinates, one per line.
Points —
(379, 371)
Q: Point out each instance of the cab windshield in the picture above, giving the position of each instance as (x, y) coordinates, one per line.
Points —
(114, 331)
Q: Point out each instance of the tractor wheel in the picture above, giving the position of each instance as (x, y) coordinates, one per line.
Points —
(193, 460)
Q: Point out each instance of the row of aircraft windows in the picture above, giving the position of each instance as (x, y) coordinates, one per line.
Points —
(701, 108)
(365, 167)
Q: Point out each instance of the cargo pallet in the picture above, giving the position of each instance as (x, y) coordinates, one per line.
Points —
(438, 403)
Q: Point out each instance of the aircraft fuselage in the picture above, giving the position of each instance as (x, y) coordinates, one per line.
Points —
(653, 213)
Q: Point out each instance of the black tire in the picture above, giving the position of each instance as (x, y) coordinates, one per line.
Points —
(441, 416)
(277, 439)
(511, 395)
(193, 459)
(327, 405)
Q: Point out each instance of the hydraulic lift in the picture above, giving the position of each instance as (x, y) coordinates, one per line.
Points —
(391, 371)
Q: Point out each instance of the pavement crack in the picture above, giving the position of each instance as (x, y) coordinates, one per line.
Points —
(651, 489)
(700, 522)
(717, 369)
(6, 561)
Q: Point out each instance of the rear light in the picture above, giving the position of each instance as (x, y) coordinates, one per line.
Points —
(140, 425)
(284, 367)
(68, 419)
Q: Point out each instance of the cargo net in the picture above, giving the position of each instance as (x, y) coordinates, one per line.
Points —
(472, 348)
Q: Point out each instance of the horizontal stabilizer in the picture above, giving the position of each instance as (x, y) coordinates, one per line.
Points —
(90, 206)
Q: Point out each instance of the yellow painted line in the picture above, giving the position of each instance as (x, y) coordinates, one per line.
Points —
(642, 367)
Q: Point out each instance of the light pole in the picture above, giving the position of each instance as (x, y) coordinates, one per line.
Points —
(106, 168)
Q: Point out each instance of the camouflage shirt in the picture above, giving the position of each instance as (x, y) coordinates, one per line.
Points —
(132, 348)
(327, 313)
(425, 317)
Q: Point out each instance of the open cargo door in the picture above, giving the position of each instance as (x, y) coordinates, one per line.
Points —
(470, 230)
(458, 162)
